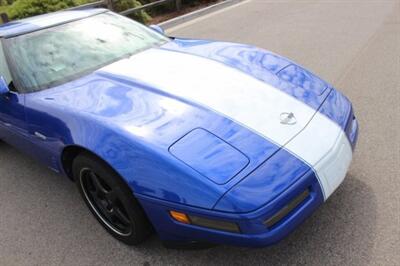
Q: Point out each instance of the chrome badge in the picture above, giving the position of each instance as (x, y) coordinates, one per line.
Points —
(288, 119)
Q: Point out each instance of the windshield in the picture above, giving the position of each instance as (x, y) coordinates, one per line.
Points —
(60, 54)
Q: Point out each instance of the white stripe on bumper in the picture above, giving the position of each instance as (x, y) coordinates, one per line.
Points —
(328, 153)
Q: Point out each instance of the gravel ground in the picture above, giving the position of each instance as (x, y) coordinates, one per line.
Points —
(355, 45)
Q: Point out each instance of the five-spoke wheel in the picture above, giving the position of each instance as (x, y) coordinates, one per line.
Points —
(105, 202)
(110, 200)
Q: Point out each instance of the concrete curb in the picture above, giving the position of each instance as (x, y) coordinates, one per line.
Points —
(198, 13)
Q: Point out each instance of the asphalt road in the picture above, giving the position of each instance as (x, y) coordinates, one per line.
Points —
(355, 45)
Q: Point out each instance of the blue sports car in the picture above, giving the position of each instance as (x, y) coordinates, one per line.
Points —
(199, 141)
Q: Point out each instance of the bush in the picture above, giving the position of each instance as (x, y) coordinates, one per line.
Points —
(122, 5)
(27, 8)
(6, 2)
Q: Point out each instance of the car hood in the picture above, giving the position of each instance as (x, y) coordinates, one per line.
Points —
(211, 85)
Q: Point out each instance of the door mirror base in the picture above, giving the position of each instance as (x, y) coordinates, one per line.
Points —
(157, 29)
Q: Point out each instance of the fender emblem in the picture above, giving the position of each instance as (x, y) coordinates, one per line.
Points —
(288, 119)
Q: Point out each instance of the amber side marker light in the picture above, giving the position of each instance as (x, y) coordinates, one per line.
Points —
(204, 222)
(180, 217)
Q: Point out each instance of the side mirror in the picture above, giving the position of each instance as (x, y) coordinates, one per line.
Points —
(3, 86)
(157, 29)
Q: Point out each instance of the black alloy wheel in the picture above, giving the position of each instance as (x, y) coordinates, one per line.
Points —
(110, 200)
(105, 202)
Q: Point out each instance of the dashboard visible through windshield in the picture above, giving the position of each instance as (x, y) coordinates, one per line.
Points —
(53, 56)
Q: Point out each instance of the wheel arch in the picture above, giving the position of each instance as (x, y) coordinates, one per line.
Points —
(69, 154)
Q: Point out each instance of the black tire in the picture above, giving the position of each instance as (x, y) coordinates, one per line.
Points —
(118, 211)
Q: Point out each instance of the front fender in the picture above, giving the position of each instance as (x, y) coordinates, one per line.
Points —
(147, 167)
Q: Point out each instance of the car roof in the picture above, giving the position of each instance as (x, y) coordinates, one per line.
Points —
(19, 27)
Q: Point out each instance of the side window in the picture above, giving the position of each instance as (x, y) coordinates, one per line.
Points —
(4, 71)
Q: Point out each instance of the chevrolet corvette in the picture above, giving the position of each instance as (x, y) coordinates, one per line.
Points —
(199, 141)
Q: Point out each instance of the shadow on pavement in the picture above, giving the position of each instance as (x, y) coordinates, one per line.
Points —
(337, 230)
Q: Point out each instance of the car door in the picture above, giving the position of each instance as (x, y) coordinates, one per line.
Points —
(13, 128)
(12, 119)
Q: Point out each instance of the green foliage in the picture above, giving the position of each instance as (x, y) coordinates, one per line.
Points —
(122, 5)
(17, 9)
(28, 8)
(6, 2)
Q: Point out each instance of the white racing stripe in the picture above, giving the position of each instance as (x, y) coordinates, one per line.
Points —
(325, 147)
(246, 100)
(223, 89)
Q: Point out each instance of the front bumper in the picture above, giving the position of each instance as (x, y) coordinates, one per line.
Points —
(332, 168)
(254, 231)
